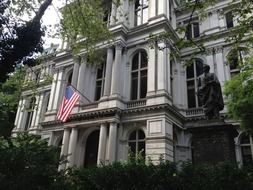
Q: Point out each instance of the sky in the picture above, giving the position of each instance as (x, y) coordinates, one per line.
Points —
(50, 18)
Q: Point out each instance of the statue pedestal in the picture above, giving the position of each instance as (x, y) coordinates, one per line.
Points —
(212, 141)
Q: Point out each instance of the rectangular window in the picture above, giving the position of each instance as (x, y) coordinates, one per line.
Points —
(229, 20)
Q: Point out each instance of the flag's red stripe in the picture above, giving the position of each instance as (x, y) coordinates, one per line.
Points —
(67, 112)
(69, 101)
(68, 107)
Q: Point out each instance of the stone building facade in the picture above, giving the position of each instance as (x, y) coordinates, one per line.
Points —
(140, 99)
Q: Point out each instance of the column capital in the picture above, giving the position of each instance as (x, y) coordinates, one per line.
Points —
(119, 45)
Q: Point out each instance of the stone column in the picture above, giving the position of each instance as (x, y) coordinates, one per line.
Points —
(163, 68)
(162, 6)
(52, 93)
(210, 60)
(18, 113)
(116, 71)
(112, 142)
(72, 147)
(35, 111)
(23, 115)
(152, 8)
(57, 94)
(40, 107)
(108, 73)
(75, 74)
(65, 146)
(51, 138)
(220, 65)
(81, 79)
(102, 144)
(151, 71)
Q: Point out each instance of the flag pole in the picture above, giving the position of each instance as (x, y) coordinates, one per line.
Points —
(80, 93)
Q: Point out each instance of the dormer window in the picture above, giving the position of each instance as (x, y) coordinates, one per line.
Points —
(140, 12)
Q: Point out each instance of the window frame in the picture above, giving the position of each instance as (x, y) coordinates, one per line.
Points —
(250, 144)
(195, 79)
(190, 30)
(140, 9)
(102, 80)
(137, 142)
(139, 71)
(229, 19)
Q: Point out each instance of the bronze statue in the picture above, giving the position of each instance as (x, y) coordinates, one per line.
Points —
(209, 93)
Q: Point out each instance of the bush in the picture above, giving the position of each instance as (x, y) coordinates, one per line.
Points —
(27, 162)
(138, 176)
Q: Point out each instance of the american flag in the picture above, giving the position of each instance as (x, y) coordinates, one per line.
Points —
(68, 102)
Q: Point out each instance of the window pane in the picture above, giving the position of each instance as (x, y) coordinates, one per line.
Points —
(143, 85)
(137, 4)
(70, 78)
(196, 29)
(134, 86)
(141, 148)
(133, 136)
(98, 90)
(188, 32)
(144, 60)
(191, 98)
(234, 62)
(190, 71)
(138, 16)
(135, 61)
(141, 135)
(132, 147)
(199, 67)
(99, 73)
(245, 139)
(246, 155)
(229, 20)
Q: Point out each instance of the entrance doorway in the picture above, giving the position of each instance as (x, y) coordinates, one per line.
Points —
(91, 152)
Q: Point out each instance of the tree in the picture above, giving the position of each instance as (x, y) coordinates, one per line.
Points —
(10, 92)
(239, 92)
(27, 162)
(19, 40)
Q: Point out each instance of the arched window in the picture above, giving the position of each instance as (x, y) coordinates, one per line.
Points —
(30, 110)
(192, 73)
(91, 151)
(140, 12)
(139, 75)
(236, 58)
(246, 149)
(229, 19)
(100, 82)
(136, 142)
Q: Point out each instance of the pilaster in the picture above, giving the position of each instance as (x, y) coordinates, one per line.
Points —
(64, 147)
(102, 144)
(112, 142)
(116, 71)
(72, 147)
(108, 73)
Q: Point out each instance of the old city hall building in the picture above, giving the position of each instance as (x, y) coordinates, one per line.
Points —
(140, 98)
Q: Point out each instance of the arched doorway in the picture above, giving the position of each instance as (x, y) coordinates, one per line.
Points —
(91, 152)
